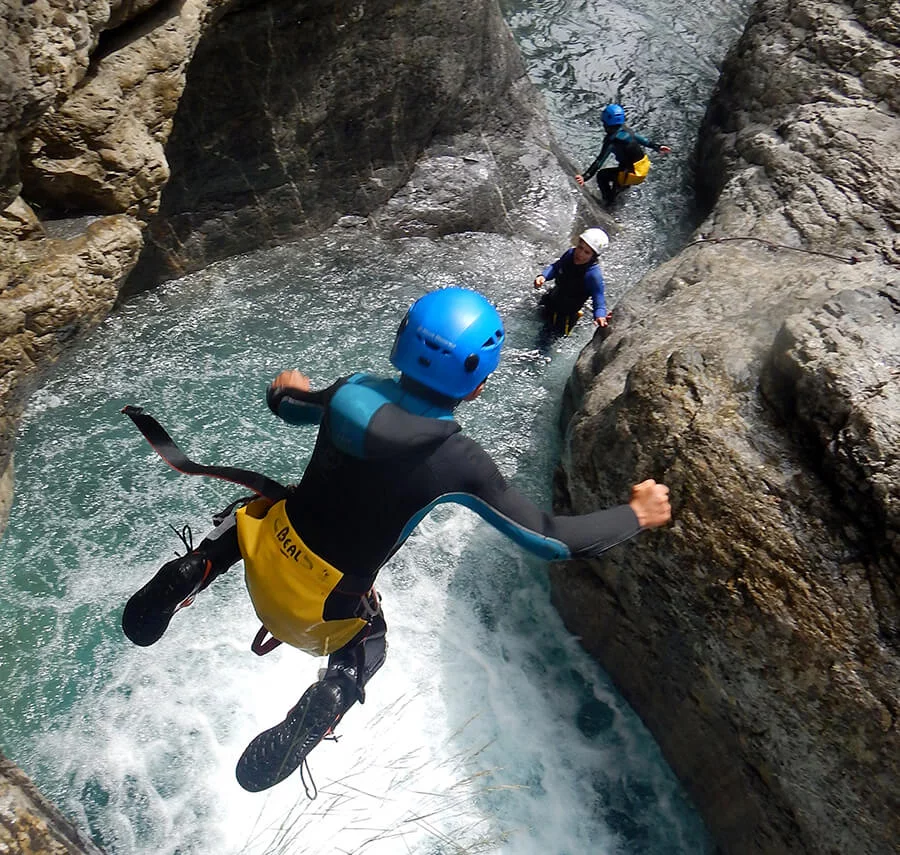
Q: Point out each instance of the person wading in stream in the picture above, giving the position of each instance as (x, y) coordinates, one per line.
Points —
(388, 450)
(577, 277)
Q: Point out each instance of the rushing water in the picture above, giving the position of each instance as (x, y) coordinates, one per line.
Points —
(488, 730)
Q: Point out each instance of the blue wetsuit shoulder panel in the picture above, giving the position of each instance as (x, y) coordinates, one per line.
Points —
(408, 422)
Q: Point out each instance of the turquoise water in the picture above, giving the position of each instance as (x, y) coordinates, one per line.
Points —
(488, 730)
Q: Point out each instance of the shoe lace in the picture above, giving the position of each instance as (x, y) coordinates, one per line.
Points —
(312, 791)
(186, 536)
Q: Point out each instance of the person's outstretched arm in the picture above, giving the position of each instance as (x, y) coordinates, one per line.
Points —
(552, 536)
(549, 272)
(598, 161)
(662, 149)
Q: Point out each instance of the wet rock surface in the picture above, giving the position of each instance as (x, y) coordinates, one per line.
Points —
(31, 825)
(757, 635)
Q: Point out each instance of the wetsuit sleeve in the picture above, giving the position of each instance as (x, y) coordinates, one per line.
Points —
(596, 287)
(598, 161)
(551, 270)
(550, 536)
(648, 143)
(300, 408)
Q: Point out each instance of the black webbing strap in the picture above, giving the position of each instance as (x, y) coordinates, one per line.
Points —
(165, 447)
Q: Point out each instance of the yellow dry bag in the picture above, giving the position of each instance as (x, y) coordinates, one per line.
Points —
(288, 583)
(638, 172)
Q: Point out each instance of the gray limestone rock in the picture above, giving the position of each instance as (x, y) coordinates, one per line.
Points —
(416, 115)
(757, 634)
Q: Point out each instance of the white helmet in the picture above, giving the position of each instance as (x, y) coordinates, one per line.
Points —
(596, 239)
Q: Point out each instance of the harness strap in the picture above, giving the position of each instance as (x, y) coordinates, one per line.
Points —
(261, 485)
(165, 447)
(261, 646)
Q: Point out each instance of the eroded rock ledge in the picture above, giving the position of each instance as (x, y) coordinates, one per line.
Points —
(30, 824)
(758, 374)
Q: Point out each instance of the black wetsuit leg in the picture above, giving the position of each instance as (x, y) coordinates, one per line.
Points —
(279, 751)
(607, 181)
(559, 317)
(363, 655)
(147, 614)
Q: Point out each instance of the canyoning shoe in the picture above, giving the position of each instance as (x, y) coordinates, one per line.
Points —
(148, 612)
(280, 750)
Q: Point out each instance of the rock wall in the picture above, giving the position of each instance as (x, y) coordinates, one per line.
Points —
(88, 91)
(758, 374)
(29, 824)
(416, 114)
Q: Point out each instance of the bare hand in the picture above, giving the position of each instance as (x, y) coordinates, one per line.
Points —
(650, 503)
(579, 180)
(664, 149)
(601, 322)
(538, 281)
(293, 379)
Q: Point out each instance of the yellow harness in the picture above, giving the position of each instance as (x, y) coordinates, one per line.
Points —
(288, 583)
(636, 174)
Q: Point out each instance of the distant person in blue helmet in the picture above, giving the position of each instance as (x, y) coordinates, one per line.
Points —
(388, 450)
(628, 149)
(577, 277)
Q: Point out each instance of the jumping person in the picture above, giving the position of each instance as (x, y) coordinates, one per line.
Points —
(388, 450)
(628, 149)
(578, 276)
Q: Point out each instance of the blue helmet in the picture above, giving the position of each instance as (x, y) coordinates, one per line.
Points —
(613, 115)
(449, 341)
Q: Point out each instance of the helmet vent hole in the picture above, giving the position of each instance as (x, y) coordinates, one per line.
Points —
(471, 362)
(424, 362)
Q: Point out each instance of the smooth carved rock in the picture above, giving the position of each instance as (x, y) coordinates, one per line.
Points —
(758, 634)
(377, 109)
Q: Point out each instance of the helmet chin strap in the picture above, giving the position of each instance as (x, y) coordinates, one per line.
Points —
(476, 391)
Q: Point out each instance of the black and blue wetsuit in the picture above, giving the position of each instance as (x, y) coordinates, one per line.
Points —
(574, 284)
(627, 146)
(387, 452)
(385, 457)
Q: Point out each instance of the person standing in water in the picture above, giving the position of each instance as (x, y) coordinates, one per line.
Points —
(388, 450)
(577, 276)
(628, 149)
